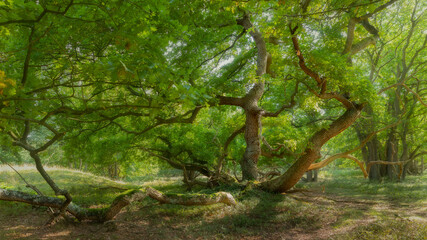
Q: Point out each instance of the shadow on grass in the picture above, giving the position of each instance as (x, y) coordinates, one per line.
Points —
(260, 214)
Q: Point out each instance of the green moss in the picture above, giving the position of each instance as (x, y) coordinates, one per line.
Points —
(96, 212)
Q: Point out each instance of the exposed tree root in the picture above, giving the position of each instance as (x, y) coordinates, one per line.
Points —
(124, 199)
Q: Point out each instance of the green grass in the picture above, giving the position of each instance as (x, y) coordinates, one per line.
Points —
(386, 229)
(258, 214)
(81, 185)
(350, 183)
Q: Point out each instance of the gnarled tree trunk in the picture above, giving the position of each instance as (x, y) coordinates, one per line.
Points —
(286, 181)
(252, 133)
(250, 105)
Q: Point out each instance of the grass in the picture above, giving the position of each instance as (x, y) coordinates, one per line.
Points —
(342, 205)
(388, 228)
(350, 183)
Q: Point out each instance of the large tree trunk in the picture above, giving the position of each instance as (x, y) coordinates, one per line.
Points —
(250, 105)
(252, 133)
(253, 147)
(286, 181)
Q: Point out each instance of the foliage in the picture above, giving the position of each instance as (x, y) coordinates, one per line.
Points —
(129, 81)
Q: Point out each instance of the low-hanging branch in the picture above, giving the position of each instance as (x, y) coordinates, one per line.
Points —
(28, 185)
(121, 201)
(160, 121)
(179, 165)
(400, 163)
(311, 153)
(338, 156)
(346, 154)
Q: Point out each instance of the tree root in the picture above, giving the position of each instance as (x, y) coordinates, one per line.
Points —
(121, 201)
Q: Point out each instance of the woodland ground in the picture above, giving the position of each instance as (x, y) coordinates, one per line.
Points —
(342, 205)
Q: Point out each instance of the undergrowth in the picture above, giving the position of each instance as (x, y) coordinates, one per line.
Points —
(258, 213)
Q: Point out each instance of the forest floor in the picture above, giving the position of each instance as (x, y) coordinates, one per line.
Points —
(342, 205)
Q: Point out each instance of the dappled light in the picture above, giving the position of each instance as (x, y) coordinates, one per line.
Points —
(179, 119)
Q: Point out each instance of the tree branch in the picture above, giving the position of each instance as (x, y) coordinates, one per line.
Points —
(290, 105)
(42, 14)
(330, 159)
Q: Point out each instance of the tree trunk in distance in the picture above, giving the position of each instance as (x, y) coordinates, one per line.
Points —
(316, 171)
(309, 176)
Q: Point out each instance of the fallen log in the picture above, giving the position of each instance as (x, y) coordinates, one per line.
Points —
(121, 201)
(192, 199)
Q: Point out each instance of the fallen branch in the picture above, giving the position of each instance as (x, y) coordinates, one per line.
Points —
(108, 187)
(121, 201)
(193, 199)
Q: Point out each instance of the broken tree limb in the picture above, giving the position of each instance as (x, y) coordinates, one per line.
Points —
(192, 199)
(121, 201)
(99, 214)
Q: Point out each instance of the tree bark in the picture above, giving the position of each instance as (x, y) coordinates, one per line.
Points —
(250, 105)
(252, 133)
